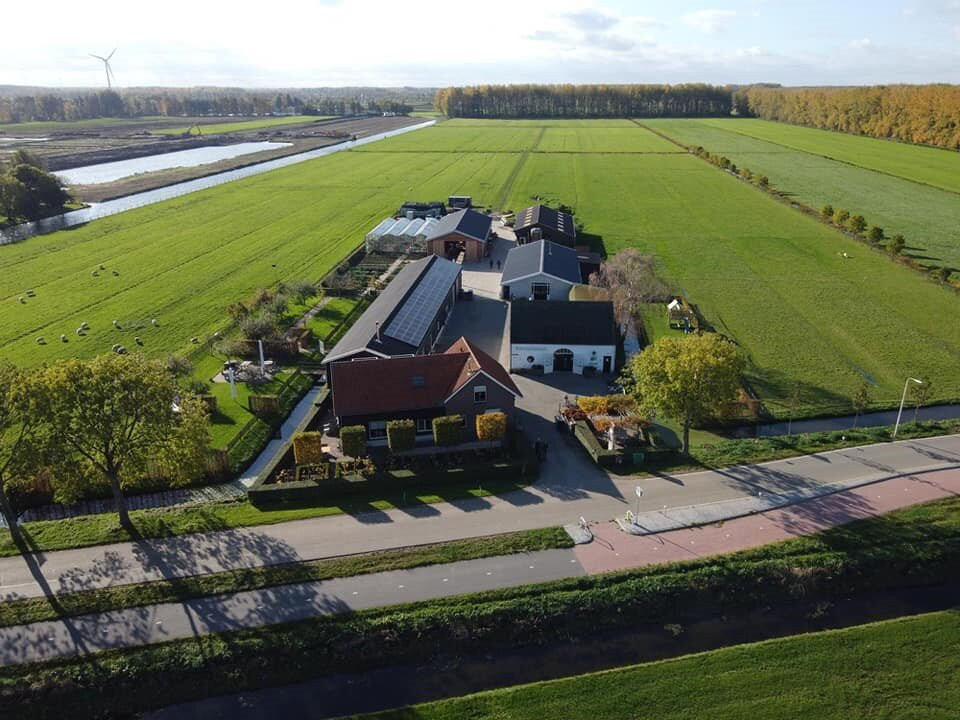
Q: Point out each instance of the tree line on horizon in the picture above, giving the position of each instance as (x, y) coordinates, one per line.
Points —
(925, 114)
(60, 106)
(584, 101)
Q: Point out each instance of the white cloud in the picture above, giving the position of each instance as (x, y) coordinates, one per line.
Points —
(861, 44)
(710, 21)
(749, 52)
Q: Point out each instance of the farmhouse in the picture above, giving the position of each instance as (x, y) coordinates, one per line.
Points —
(540, 270)
(544, 223)
(464, 231)
(400, 235)
(408, 315)
(578, 337)
(463, 380)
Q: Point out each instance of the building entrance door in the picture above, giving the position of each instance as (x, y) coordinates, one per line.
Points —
(563, 360)
(607, 364)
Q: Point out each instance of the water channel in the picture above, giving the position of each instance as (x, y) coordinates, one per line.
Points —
(129, 202)
(110, 171)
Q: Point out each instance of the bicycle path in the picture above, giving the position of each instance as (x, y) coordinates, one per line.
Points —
(610, 550)
(679, 500)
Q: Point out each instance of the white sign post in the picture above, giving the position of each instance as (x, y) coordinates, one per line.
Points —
(639, 495)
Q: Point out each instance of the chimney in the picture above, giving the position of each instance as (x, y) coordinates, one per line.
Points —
(378, 331)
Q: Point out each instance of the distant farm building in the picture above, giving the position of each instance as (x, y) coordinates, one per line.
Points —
(400, 235)
(412, 209)
(544, 223)
(539, 270)
(460, 202)
(465, 231)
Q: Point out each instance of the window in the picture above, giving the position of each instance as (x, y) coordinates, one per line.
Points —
(541, 291)
(424, 425)
(377, 429)
(463, 421)
(479, 393)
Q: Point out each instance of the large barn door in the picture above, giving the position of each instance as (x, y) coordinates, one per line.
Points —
(563, 360)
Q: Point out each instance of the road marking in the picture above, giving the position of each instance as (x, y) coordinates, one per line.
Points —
(489, 573)
(531, 567)
(355, 592)
(400, 587)
(446, 579)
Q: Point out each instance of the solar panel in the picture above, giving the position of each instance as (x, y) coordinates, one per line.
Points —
(413, 319)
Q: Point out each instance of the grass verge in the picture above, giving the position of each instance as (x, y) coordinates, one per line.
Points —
(912, 547)
(911, 664)
(20, 612)
(87, 530)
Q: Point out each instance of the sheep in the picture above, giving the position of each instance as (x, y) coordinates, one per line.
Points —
(23, 300)
(84, 325)
(115, 347)
(153, 321)
(116, 324)
(41, 341)
(138, 341)
(121, 350)
(194, 340)
(102, 267)
(63, 338)
(80, 331)
(116, 273)
(94, 273)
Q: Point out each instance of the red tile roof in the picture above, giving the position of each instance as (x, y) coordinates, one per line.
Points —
(376, 386)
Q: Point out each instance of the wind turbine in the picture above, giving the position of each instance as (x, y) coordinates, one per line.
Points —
(106, 67)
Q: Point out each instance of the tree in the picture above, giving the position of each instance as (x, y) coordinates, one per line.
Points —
(401, 435)
(857, 224)
(860, 401)
(826, 212)
(875, 234)
(691, 378)
(17, 422)
(353, 441)
(920, 395)
(115, 415)
(840, 217)
(896, 244)
(763, 181)
(27, 191)
(491, 427)
(631, 279)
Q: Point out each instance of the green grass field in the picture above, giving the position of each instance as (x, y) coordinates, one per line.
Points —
(769, 277)
(933, 166)
(215, 128)
(902, 669)
(928, 217)
(44, 126)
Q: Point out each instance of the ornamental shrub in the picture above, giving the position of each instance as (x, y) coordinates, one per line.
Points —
(491, 426)
(353, 441)
(307, 448)
(826, 212)
(448, 430)
(875, 235)
(840, 217)
(858, 224)
(401, 435)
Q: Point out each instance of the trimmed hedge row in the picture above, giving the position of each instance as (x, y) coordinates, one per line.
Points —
(309, 492)
(601, 456)
(920, 552)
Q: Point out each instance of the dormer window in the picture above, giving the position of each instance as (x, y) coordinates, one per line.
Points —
(480, 393)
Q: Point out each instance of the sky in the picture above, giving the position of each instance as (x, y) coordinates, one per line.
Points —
(311, 43)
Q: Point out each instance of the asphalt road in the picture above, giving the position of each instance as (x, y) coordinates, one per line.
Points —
(159, 623)
(565, 494)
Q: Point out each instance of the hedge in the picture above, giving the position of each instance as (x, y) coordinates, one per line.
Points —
(309, 492)
(307, 448)
(448, 430)
(401, 435)
(601, 456)
(491, 426)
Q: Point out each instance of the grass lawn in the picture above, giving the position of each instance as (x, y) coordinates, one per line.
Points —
(88, 530)
(46, 126)
(20, 612)
(331, 315)
(928, 217)
(933, 166)
(655, 323)
(904, 668)
(217, 127)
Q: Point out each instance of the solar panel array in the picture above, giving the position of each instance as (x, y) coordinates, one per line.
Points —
(413, 319)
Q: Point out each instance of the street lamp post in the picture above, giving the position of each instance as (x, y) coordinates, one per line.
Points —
(903, 399)
(639, 495)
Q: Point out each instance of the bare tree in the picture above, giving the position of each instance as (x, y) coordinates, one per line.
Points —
(631, 279)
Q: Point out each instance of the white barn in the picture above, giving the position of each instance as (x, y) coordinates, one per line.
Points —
(562, 336)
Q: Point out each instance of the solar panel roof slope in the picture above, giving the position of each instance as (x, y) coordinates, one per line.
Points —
(417, 312)
(362, 334)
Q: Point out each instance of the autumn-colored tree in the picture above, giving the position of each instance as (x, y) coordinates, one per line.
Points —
(860, 401)
(691, 378)
(826, 212)
(840, 217)
(857, 224)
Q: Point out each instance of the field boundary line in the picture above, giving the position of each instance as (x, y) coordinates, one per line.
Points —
(515, 173)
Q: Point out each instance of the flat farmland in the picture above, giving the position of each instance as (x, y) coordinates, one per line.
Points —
(934, 166)
(928, 217)
(765, 275)
(606, 140)
(241, 124)
(183, 261)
